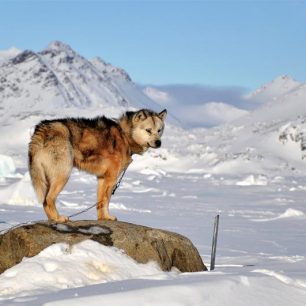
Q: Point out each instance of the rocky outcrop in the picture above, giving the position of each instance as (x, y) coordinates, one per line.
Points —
(141, 243)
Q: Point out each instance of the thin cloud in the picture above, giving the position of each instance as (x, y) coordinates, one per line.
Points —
(201, 105)
(201, 94)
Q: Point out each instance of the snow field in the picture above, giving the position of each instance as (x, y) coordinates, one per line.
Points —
(260, 253)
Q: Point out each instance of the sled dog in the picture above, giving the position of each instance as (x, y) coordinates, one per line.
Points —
(100, 146)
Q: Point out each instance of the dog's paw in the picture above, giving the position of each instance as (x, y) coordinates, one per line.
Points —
(108, 218)
(62, 219)
(112, 218)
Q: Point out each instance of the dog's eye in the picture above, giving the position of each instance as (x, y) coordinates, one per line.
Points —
(159, 131)
(149, 131)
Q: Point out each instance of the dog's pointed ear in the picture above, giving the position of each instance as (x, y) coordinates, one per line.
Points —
(162, 115)
(139, 116)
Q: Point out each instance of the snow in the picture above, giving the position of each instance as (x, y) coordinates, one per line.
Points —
(261, 243)
(215, 290)
(8, 54)
(19, 193)
(7, 166)
(250, 171)
(61, 266)
(157, 95)
(289, 213)
(278, 87)
(258, 180)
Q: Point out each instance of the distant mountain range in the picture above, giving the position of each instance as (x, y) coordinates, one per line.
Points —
(260, 132)
(35, 83)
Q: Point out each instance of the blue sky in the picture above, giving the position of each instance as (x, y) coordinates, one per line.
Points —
(222, 43)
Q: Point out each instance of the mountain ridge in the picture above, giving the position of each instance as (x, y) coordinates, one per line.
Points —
(58, 77)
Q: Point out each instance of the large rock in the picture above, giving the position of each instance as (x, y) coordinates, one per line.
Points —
(139, 242)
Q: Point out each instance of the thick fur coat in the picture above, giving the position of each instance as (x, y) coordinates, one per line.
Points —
(100, 146)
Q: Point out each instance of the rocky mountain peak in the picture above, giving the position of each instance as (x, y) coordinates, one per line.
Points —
(59, 47)
(58, 77)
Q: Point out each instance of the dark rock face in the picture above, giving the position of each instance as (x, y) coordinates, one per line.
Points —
(23, 56)
(141, 243)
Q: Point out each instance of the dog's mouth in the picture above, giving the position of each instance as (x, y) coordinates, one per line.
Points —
(155, 145)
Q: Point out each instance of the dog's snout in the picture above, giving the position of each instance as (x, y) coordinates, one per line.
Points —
(157, 143)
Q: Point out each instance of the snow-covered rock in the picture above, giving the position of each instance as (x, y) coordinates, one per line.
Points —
(295, 132)
(144, 244)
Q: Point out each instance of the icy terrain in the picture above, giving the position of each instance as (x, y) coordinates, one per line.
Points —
(250, 171)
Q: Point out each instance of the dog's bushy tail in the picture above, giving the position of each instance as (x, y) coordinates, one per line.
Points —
(37, 173)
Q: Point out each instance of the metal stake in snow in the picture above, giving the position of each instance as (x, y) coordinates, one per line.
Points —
(214, 244)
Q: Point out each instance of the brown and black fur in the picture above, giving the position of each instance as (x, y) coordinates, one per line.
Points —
(100, 146)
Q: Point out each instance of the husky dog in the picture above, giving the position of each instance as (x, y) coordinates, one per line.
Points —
(100, 146)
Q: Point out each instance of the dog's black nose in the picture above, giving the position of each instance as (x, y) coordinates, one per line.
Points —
(157, 143)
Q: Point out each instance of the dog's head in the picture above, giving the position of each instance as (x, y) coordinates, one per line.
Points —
(148, 127)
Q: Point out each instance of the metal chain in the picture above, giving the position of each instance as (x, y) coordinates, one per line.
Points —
(119, 181)
(82, 211)
(113, 192)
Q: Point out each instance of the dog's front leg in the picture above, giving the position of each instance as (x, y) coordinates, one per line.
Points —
(105, 187)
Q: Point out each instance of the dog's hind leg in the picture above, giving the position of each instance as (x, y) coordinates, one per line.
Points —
(58, 170)
(56, 187)
(39, 180)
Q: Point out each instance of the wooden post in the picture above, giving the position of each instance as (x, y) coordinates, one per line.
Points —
(214, 244)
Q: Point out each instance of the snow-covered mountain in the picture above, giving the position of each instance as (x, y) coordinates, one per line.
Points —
(274, 89)
(57, 77)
